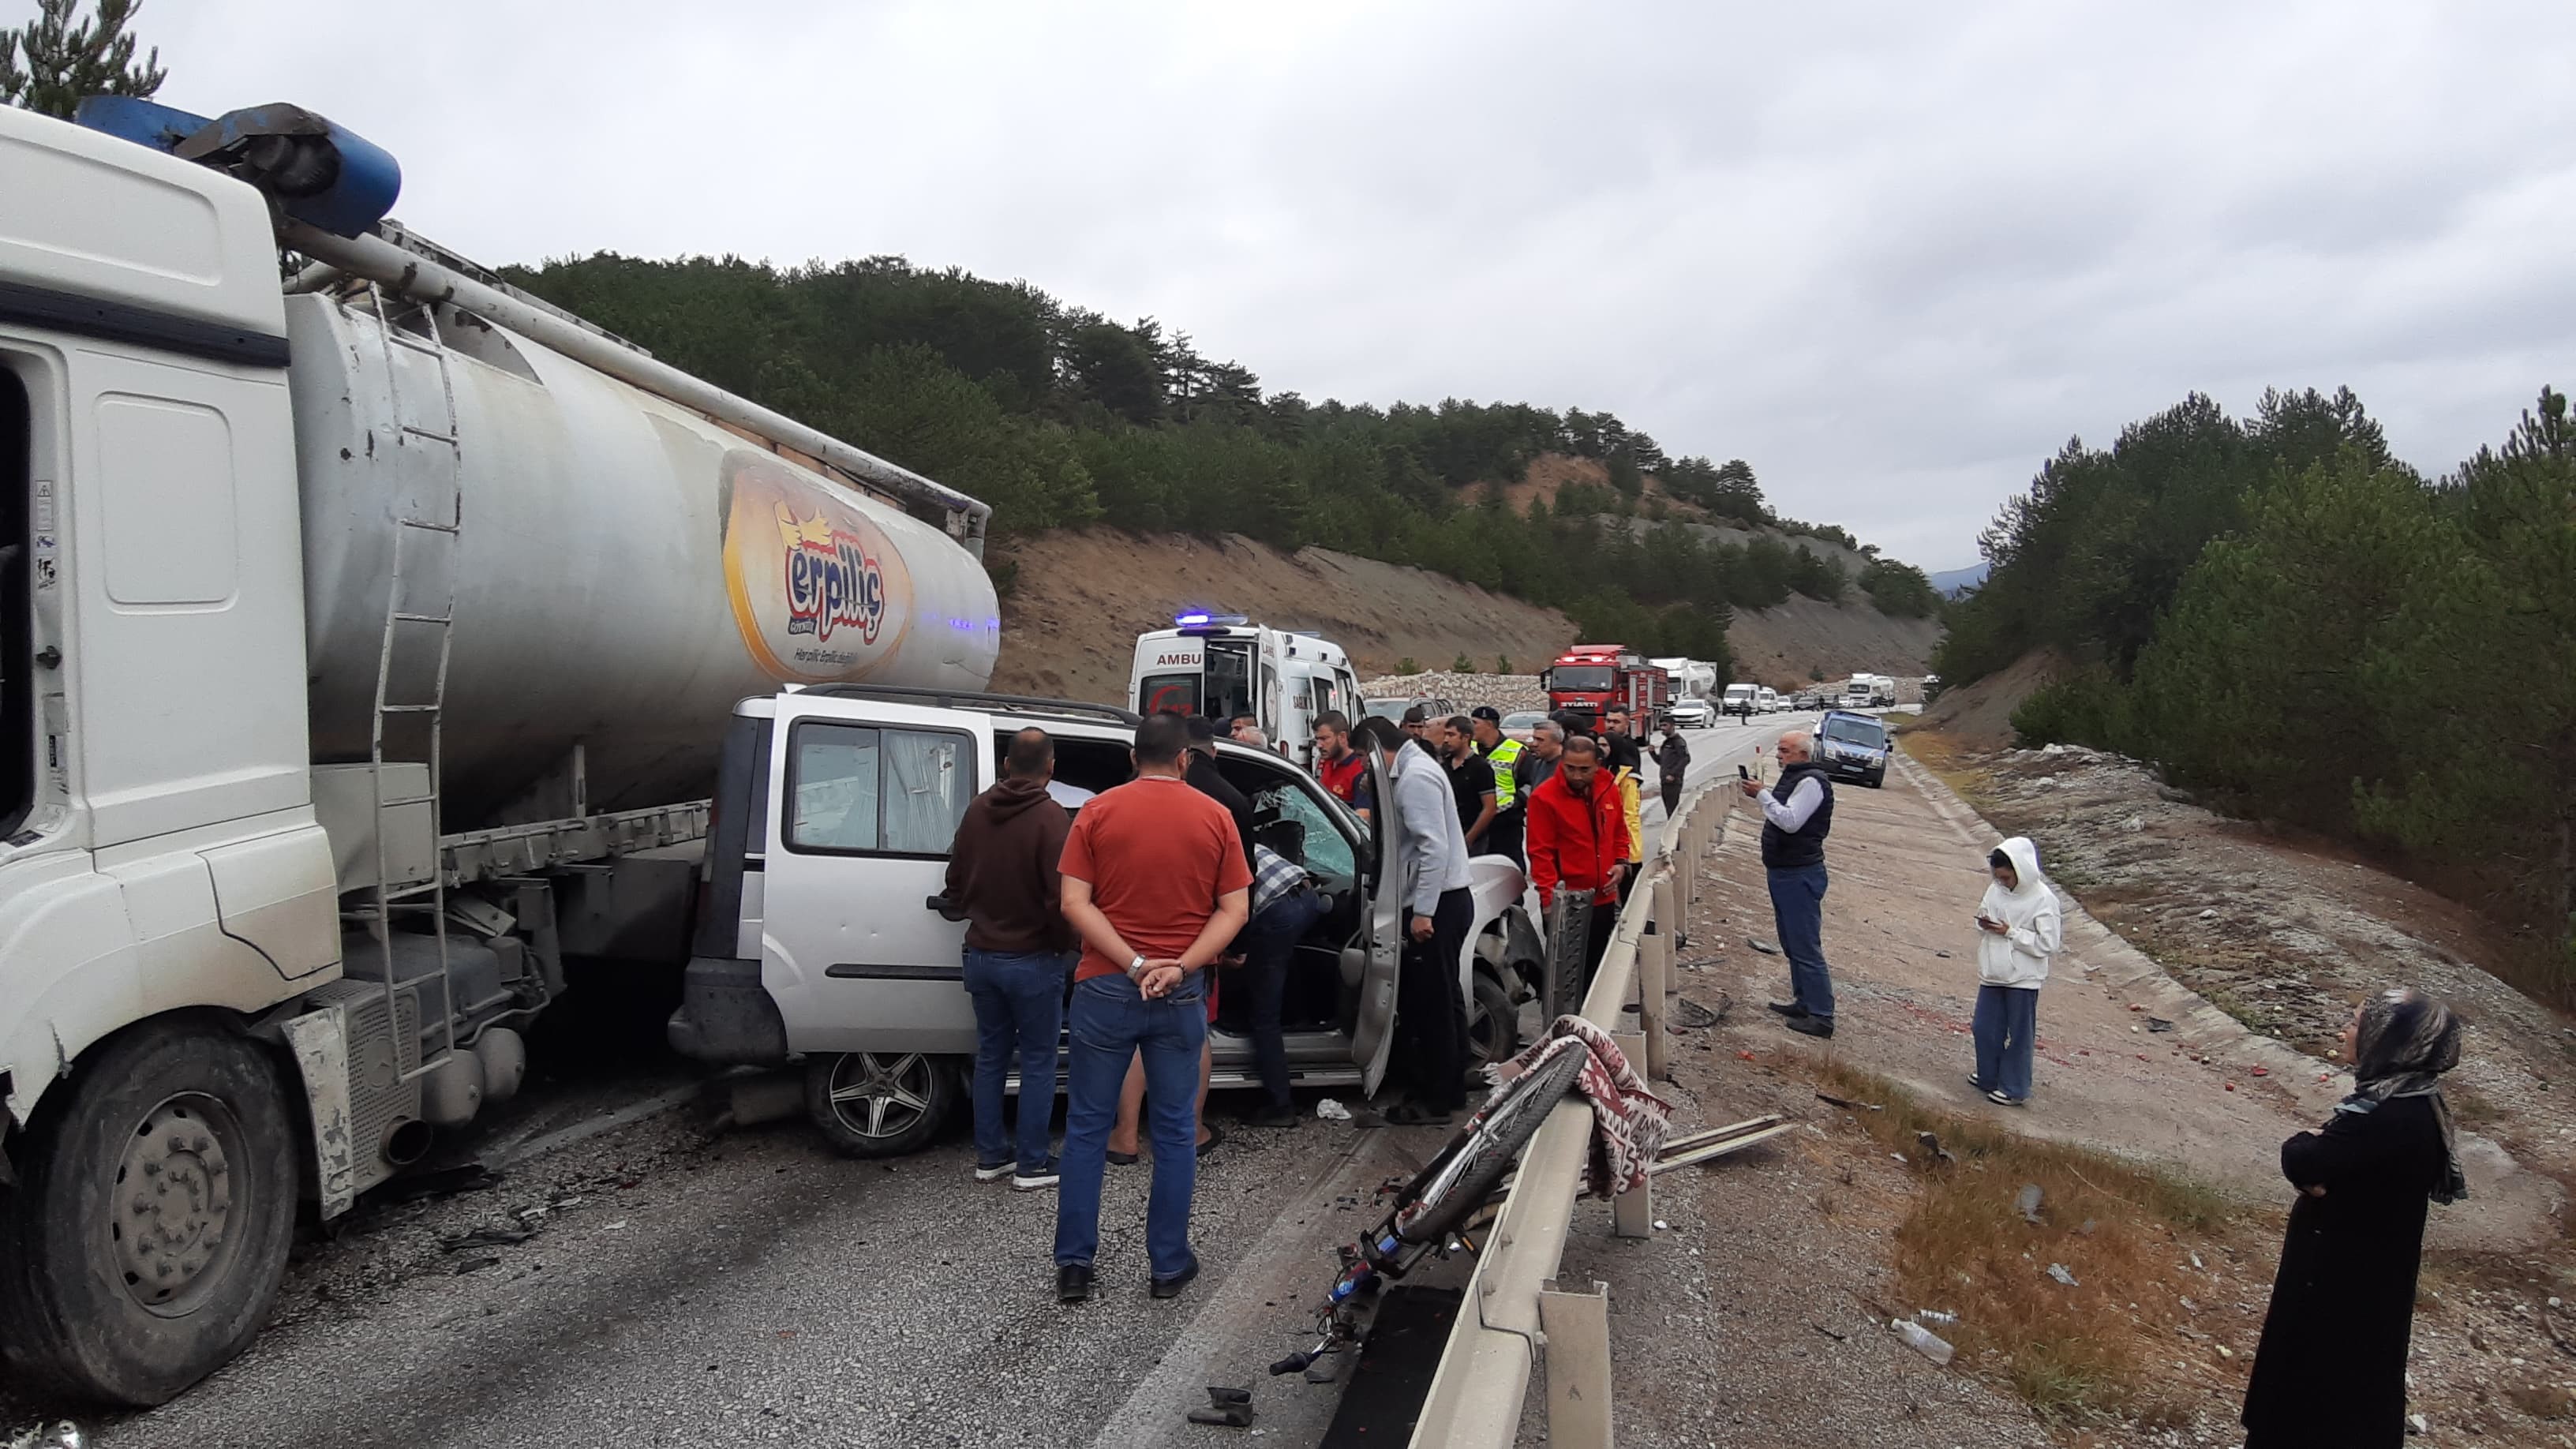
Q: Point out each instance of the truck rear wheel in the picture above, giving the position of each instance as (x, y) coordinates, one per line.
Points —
(879, 1104)
(144, 1243)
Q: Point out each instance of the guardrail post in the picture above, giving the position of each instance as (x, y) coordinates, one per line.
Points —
(1577, 1326)
(1632, 1213)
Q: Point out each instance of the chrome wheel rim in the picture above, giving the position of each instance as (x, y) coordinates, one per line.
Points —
(172, 1205)
(877, 1094)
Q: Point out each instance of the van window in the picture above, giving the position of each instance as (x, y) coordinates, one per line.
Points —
(862, 790)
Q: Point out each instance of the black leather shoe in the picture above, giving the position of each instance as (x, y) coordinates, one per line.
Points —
(1822, 1026)
(1786, 1008)
(1169, 1287)
(1073, 1283)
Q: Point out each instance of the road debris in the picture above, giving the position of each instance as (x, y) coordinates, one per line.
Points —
(1689, 1013)
(1332, 1111)
(1765, 947)
(2026, 1202)
(2058, 1272)
(1847, 1104)
(1940, 1316)
(1933, 1151)
(1229, 1407)
(1829, 1333)
(59, 1434)
(486, 1238)
(2158, 1023)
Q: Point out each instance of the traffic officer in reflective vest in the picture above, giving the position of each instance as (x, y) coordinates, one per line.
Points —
(1503, 837)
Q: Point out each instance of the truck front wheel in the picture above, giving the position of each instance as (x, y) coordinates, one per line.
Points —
(143, 1245)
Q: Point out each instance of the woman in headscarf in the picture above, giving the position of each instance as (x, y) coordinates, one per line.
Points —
(2331, 1368)
(2017, 932)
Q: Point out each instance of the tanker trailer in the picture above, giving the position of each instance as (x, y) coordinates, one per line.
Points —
(366, 647)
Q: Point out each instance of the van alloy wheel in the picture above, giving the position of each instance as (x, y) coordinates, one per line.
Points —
(879, 1104)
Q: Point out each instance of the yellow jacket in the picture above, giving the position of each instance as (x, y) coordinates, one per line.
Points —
(1631, 802)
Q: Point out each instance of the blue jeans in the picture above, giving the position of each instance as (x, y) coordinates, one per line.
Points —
(1113, 1023)
(2007, 1029)
(1019, 1012)
(1798, 914)
(1269, 949)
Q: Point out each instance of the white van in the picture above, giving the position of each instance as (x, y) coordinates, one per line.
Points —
(1222, 665)
(1742, 699)
(822, 934)
(1770, 701)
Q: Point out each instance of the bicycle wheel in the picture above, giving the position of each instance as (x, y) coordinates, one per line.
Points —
(1487, 1149)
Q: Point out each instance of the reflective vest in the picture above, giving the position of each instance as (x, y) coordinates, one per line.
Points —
(1503, 756)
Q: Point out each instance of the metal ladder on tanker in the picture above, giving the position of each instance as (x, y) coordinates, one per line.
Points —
(431, 513)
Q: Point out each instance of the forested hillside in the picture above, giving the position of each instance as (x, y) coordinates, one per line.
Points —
(2279, 610)
(1060, 417)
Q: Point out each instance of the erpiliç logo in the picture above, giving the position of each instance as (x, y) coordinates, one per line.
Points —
(833, 583)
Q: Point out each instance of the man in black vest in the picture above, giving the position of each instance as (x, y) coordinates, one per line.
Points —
(1797, 814)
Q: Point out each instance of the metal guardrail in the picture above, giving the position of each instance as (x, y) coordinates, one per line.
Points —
(1513, 1309)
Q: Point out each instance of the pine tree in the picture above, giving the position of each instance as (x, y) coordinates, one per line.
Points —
(66, 62)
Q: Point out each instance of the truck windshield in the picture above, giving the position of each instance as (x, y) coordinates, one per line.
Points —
(1580, 676)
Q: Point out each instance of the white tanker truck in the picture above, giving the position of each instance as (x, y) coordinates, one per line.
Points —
(367, 641)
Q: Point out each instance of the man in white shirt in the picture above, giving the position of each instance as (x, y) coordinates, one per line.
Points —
(1797, 814)
(1431, 849)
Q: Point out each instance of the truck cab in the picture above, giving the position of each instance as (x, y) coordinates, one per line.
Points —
(1223, 665)
(823, 935)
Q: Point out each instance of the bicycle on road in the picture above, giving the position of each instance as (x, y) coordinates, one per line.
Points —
(1439, 1206)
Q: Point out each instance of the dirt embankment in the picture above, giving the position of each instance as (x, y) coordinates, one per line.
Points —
(1979, 715)
(1787, 647)
(1070, 623)
(1069, 626)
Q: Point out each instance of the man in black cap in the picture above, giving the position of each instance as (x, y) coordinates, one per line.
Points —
(1503, 837)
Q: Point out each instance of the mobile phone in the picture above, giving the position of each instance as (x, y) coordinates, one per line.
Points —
(1742, 773)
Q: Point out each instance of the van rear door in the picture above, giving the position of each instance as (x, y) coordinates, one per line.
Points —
(864, 800)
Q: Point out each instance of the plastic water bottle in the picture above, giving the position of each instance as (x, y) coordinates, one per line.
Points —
(1923, 1340)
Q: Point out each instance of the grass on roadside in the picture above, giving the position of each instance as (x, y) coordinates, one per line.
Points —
(1955, 765)
(2118, 1345)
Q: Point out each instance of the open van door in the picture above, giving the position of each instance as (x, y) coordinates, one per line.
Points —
(1382, 945)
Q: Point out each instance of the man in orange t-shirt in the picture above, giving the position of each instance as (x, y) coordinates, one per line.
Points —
(1156, 884)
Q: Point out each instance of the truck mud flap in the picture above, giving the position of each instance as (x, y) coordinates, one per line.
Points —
(320, 1040)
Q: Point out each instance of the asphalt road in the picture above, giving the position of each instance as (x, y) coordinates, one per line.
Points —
(682, 1284)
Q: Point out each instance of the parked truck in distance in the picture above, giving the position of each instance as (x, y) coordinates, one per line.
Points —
(367, 643)
(1588, 679)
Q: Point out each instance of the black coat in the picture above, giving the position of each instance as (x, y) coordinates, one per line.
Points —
(2331, 1369)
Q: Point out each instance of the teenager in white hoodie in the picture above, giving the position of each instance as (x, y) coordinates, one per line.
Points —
(2017, 934)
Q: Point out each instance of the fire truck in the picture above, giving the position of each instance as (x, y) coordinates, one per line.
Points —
(1589, 678)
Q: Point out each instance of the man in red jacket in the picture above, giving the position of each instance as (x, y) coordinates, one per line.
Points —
(1578, 835)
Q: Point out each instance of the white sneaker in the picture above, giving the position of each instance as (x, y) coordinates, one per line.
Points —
(1023, 1182)
(988, 1174)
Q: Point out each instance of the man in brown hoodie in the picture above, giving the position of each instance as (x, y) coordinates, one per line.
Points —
(1019, 952)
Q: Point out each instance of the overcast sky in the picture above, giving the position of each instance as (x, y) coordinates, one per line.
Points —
(1891, 255)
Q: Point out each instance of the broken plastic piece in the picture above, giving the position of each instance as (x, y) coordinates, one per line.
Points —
(1228, 1407)
(1332, 1111)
